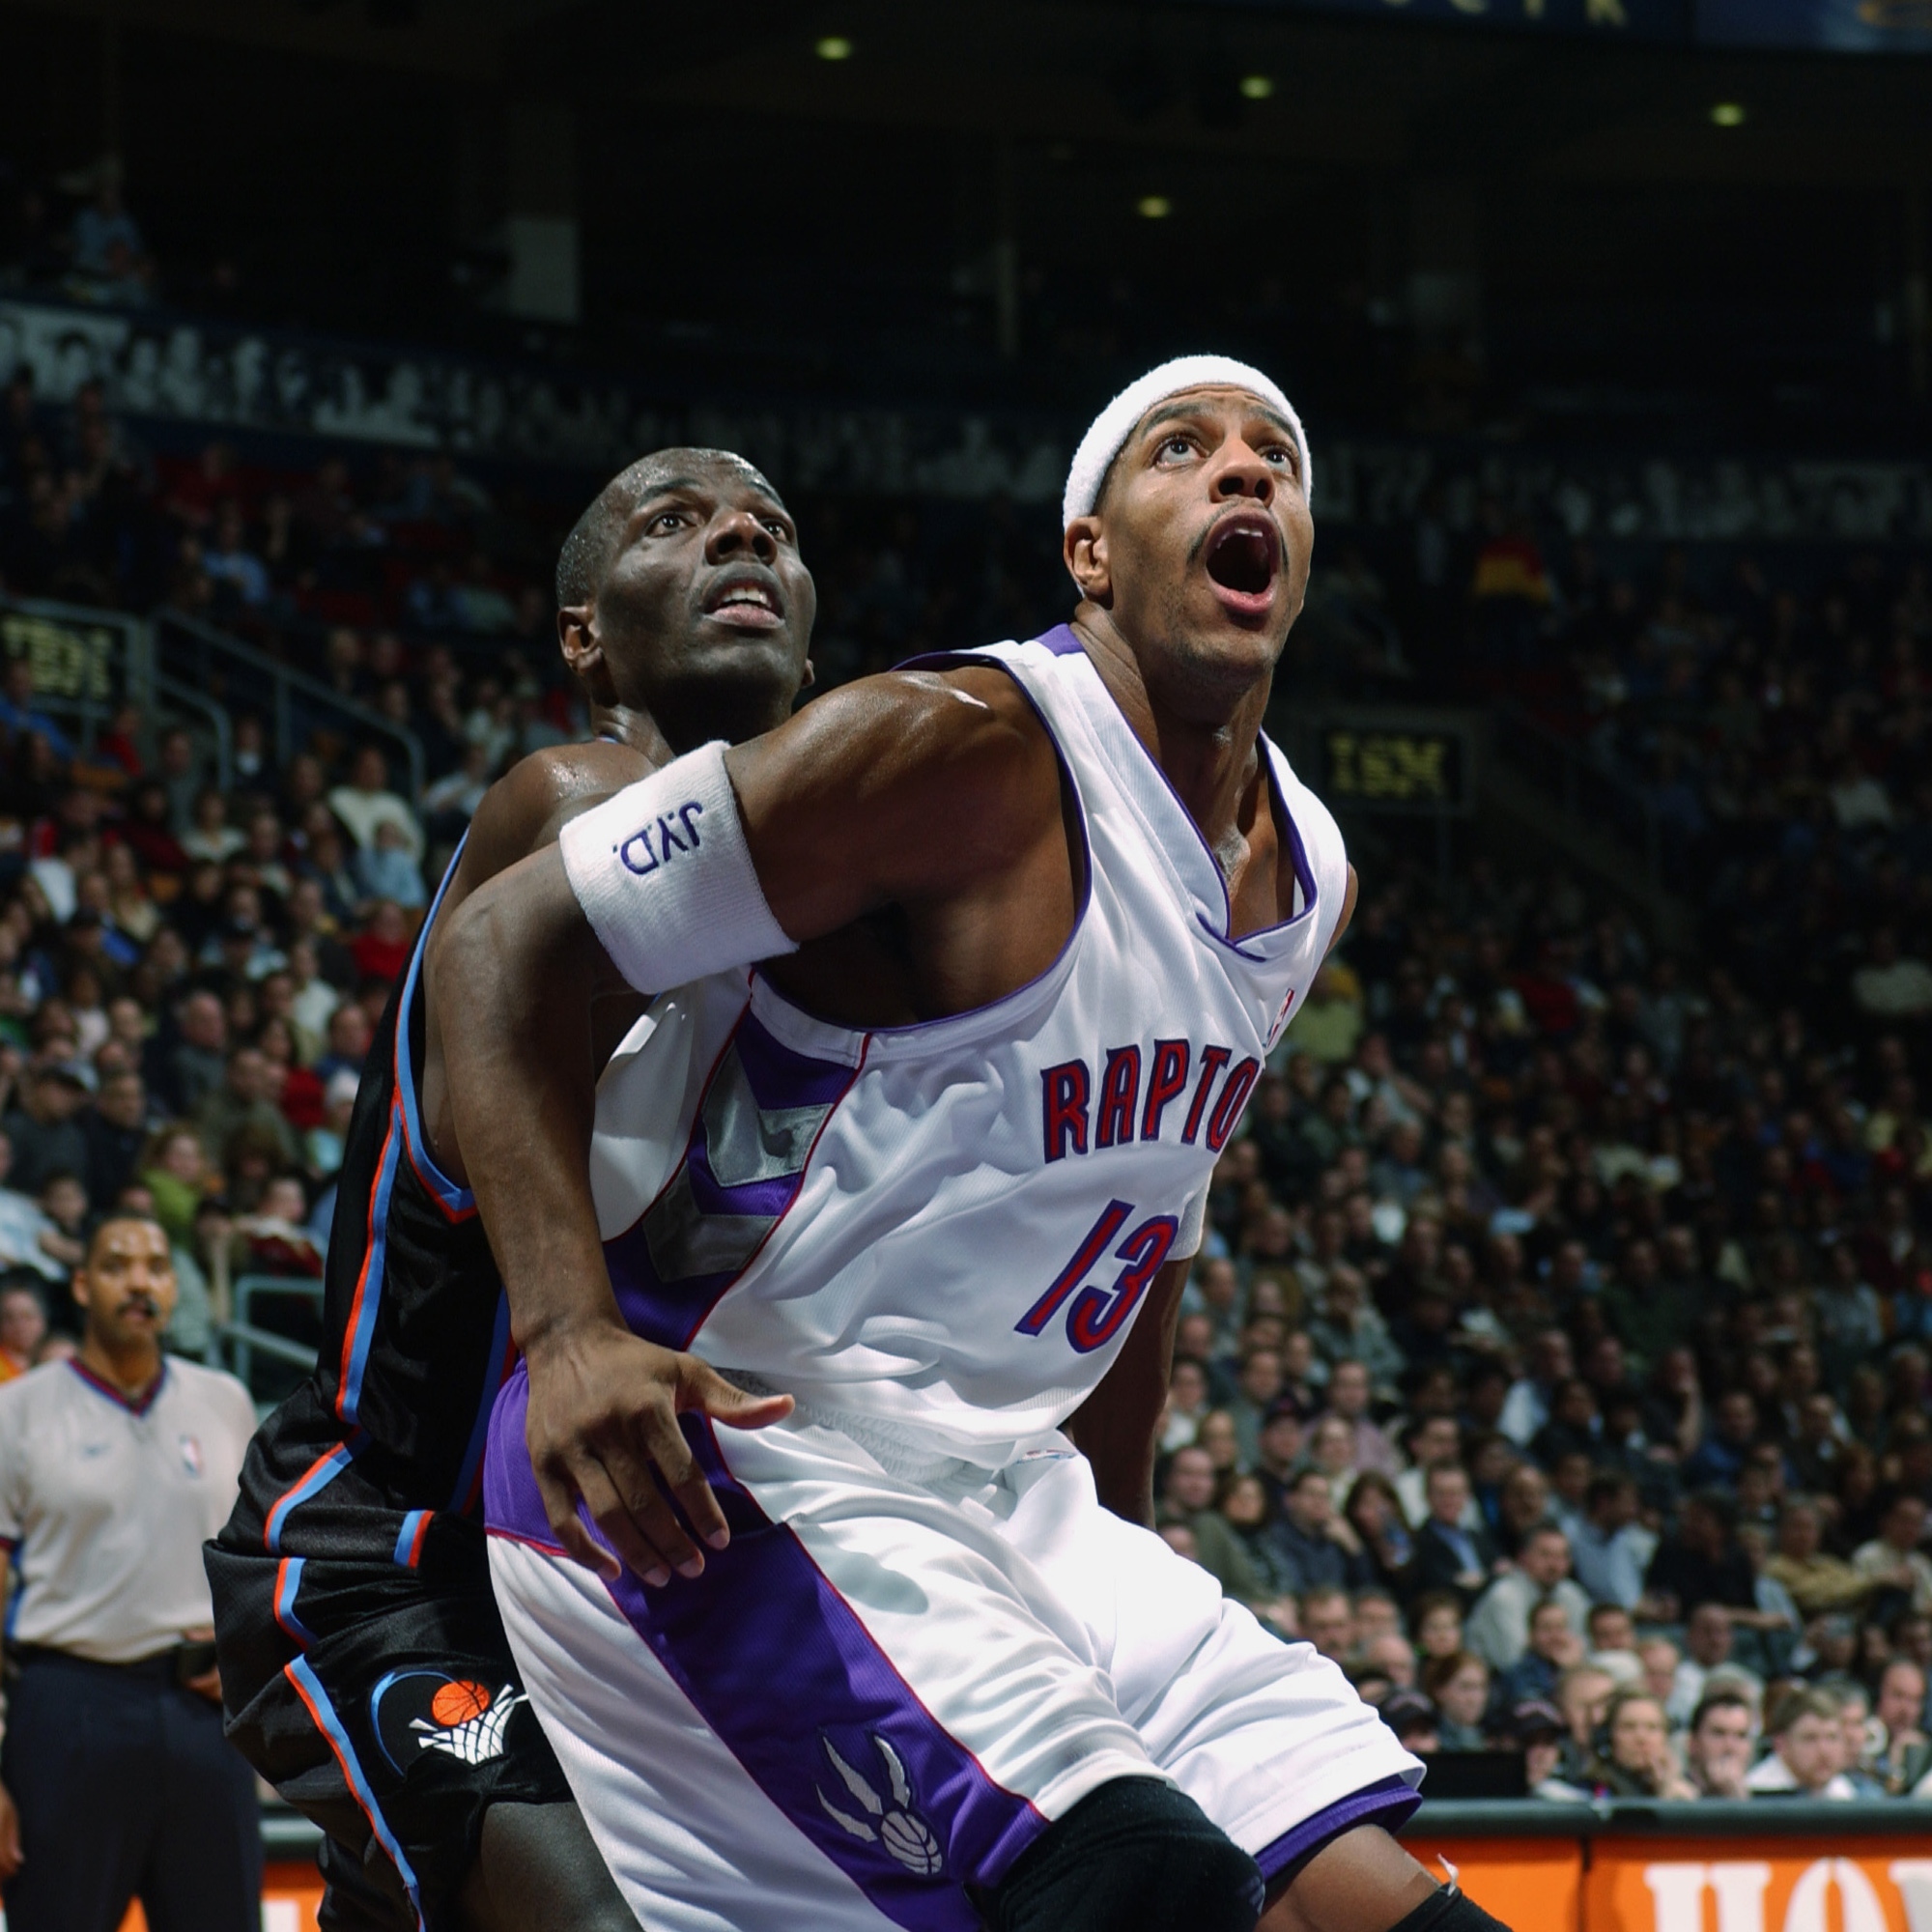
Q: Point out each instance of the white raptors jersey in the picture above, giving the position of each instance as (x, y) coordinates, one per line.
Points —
(938, 1236)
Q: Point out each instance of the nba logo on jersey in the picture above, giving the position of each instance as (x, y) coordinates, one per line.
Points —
(191, 1454)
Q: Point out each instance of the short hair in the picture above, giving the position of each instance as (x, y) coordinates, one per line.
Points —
(1606, 1487)
(586, 551)
(121, 1217)
(1718, 1701)
(1808, 1702)
(1436, 1672)
(1627, 1694)
(1598, 1612)
(1326, 1593)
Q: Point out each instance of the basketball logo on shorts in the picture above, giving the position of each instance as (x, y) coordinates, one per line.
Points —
(418, 1711)
(890, 1818)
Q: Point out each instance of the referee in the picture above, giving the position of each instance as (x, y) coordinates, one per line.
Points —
(114, 1468)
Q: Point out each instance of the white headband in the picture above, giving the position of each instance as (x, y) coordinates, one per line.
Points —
(1115, 422)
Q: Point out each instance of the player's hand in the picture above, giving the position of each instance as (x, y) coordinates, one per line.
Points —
(603, 1431)
(12, 1857)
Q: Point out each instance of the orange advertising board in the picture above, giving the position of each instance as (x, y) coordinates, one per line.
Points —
(1759, 1885)
(1548, 1885)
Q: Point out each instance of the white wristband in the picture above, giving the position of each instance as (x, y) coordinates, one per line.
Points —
(665, 877)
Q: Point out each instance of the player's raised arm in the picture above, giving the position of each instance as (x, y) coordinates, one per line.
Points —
(919, 791)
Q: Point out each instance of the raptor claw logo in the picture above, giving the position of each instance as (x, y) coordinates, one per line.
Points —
(891, 1821)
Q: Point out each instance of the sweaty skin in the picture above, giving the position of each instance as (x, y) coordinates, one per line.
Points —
(665, 671)
(955, 884)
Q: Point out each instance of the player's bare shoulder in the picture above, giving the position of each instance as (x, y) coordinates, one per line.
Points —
(530, 803)
(929, 777)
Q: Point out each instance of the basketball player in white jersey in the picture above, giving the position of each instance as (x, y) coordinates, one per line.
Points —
(1030, 921)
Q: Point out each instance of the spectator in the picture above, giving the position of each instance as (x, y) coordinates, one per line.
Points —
(1702, 1563)
(1553, 1648)
(1894, 1563)
(242, 1104)
(366, 802)
(1328, 1623)
(44, 1129)
(1498, 1627)
(198, 1063)
(1807, 1750)
(1212, 1541)
(1584, 1696)
(1305, 1537)
(1458, 1687)
(1375, 1515)
(1906, 1755)
(1348, 1394)
(1636, 1760)
(1708, 1661)
(1538, 1727)
(115, 1128)
(1611, 1643)
(1412, 1718)
(1718, 1749)
(1448, 1556)
(112, 1632)
(24, 1327)
(388, 870)
(1611, 1547)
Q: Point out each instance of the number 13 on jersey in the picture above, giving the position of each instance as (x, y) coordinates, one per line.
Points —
(1096, 1315)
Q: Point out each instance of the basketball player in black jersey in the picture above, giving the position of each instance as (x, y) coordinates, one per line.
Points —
(364, 1668)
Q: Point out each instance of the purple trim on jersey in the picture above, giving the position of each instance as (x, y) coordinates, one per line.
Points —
(951, 659)
(670, 1313)
(464, 1497)
(134, 1405)
(1388, 1802)
(456, 1202)
(512, 1503)
(779, 1665)
(1062, 642)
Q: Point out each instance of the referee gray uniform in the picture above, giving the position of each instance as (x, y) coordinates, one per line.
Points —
(124, 1782)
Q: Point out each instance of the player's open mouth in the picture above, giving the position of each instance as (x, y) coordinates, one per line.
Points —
(1243, 557)
(748, 602)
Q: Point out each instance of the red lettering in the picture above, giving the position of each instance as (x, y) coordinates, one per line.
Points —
(1213, 1059)
(1165, 1082)
(1119, 1088)
(1064, 1092)
(1234, 1097)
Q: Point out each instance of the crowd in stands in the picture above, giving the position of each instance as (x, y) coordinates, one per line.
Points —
(1560, 1355)
(1558, 1359)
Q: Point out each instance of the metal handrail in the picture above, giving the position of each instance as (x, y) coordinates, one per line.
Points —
(187, 698)
(285, 684)
(1576, 778)
(1649, 1817)
(245, 1336)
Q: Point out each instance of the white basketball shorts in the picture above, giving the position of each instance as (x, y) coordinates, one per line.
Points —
(884, 1690)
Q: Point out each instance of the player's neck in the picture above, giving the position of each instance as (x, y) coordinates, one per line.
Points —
(1205, 741)
(632, 726)
(720, 710)
(132, 1369)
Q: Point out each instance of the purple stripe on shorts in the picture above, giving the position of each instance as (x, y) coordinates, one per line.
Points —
(781, 1669)
(512, 1503)
(1387, 1802)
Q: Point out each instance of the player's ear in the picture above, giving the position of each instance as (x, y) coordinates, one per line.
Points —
(1084, 550)
(808, 678)
(583, 648)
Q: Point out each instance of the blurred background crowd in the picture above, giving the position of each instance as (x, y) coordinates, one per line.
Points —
(1560, 1358)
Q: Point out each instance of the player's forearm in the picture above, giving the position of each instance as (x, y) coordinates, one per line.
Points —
(514, 975)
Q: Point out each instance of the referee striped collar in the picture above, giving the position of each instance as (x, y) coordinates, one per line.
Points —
(134, 1405)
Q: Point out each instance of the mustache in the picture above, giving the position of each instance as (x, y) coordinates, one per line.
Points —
(141, 1301)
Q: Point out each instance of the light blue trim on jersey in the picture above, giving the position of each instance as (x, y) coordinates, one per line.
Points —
(324, 1715)
(375, 1260)
(455, 1200)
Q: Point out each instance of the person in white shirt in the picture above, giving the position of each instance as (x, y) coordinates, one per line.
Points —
(1498, 1627)
(1807, 1751)
(115, 1779)
(1895, 1560)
